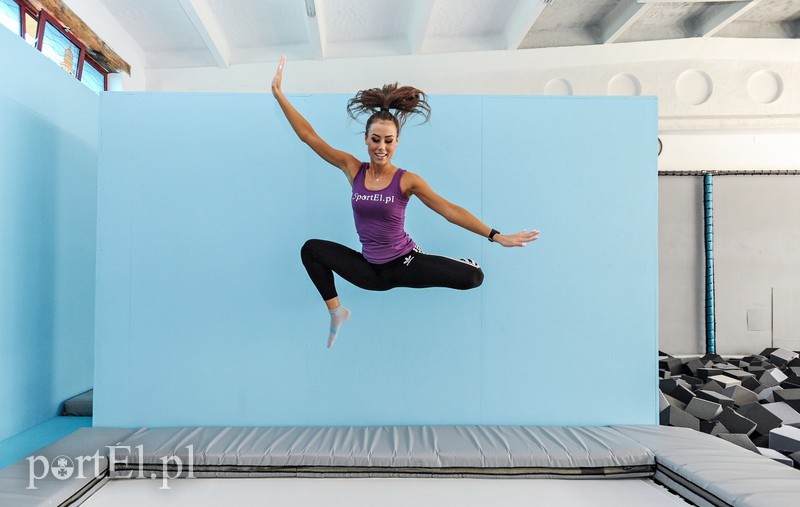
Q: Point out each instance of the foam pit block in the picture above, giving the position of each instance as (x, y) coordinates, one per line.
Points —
(734, 422)
(712, 358)
(692, 366)
(782, 356)
(772, 377)
(667, 385)
(741, 396)
(765, 420)
(684, 394)
(715, 397)
(772, 454)
(787, 415)
(671, 364)
(790, 396)
(724, 381)
(785, 439)
(706, 372)
(703, 409)
(741, 440)
(674, 402)
(712, 386)
(663, 402)
(768, 394)
(674, 416)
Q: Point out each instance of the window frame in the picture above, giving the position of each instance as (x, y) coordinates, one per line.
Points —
(42, 17)
(98, 68)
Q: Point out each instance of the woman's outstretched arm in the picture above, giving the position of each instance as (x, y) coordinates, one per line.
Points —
(415, 185)
(344, 161)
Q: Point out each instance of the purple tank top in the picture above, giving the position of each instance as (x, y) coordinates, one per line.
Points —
(380, 216)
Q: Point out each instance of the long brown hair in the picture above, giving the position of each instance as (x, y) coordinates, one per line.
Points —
(406, 101)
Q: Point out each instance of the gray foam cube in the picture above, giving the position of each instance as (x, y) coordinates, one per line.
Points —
(768, 394)
(765, 420)
(735, 423)
(673, 416)
(703, 409)
(740, 440)
(787, 415)
(772, 378)
(772, 454)
(724, 381)
(716, 397)
(785, 439)
(741, 395)
(782, 356)
(663, 402)
(790, 396)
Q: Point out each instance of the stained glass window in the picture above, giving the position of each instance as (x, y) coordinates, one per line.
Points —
(56, 43)
(93, 78)
(31, 29)
(9, 15)
(57, 47)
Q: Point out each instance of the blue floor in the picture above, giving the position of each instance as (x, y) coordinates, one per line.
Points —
(24, 444)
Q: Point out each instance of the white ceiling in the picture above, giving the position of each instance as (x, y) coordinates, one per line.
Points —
(222, 33)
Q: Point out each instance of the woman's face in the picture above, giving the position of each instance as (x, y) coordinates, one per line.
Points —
(381, 141)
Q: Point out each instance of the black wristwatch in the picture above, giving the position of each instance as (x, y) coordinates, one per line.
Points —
(491, 235)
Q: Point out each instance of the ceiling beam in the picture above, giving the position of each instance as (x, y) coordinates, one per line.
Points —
(709, 25)
(418, 26)
(207, 26)
(96, 47)
(522, 20)
(792, 28)
(315, 12)
(620, 18)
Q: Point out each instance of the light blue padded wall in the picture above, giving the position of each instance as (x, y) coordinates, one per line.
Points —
(48, 202)
(205, 315)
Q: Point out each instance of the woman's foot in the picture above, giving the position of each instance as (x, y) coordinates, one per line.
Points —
(339, 316)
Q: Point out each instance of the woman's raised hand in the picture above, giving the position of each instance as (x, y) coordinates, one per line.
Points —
(518, 239)
(276, 81)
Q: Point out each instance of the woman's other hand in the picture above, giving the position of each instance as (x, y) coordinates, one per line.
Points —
(276, 81)
(518, 239)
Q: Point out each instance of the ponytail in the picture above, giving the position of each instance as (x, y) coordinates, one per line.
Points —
(406, 101)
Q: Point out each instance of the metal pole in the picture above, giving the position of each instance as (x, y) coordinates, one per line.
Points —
(708, 221)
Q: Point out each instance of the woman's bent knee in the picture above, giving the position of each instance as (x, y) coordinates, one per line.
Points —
(476, 279)
(308, 249)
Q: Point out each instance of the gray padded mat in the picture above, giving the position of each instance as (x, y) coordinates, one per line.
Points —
(565, 452)
(80, 405)
(51, 490)
(718, 471)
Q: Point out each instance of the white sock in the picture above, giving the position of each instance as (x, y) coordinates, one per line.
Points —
(338, 317)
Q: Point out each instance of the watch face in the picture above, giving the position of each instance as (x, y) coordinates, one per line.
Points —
(659, 146)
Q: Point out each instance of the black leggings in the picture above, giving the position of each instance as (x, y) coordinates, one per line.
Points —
(416, 269)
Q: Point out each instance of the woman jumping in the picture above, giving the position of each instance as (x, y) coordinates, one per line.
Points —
(389, 258)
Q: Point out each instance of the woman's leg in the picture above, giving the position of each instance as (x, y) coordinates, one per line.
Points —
(321, 259)
(420, 270)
